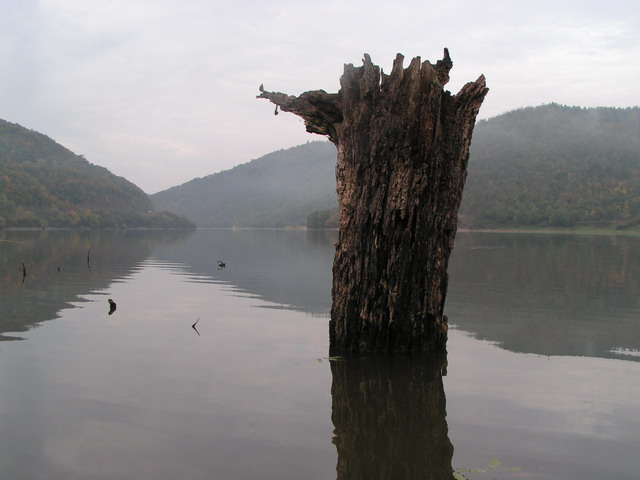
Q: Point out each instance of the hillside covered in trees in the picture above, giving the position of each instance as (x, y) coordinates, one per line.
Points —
(546, 166)
(277, 190)
(43, 184)
(555, 166)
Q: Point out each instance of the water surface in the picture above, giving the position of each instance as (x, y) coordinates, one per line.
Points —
(541, 378)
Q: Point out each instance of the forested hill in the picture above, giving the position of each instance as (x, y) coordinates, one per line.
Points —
(43, 184)
(277, 190)
(555, 166)
(540, 166)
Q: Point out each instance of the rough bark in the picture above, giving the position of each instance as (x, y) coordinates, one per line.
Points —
(403, 147)
(389, 417)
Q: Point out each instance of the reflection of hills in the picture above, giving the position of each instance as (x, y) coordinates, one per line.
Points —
(291, 268)
(548, 294)
(544, 294)
(45, 290)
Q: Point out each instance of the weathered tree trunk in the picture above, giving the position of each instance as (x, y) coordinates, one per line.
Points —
(403, 147)
(389, 417)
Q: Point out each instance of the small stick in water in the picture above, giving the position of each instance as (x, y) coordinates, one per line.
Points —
(112, 306)
(194, 326)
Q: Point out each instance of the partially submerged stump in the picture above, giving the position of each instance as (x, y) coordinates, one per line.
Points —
(403, 147)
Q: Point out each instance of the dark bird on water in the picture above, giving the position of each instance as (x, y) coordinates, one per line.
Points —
(221, 264)
(112, 306)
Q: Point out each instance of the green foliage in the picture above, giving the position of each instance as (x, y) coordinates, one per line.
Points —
(546, 166)
(323, 219)
(42, 184)
(277, 190)
(554, 166)
(493, 466)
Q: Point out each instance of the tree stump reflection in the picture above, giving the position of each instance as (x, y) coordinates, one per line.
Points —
(389, 418)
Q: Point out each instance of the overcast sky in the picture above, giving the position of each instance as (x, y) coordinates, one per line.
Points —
(163, 91)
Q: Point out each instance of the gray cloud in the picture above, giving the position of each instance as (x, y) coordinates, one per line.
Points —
(162, 91)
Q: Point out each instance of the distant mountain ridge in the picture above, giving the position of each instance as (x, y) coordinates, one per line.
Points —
(43, 184)
(550, 165)
(277, 190)
(556, 166)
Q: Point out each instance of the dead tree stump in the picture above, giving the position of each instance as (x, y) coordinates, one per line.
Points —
(403, 147)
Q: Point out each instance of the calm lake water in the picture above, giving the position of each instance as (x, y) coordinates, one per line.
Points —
(542, 378)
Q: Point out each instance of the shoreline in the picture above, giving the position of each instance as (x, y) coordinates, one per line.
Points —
(556, 231)
(515, 230)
